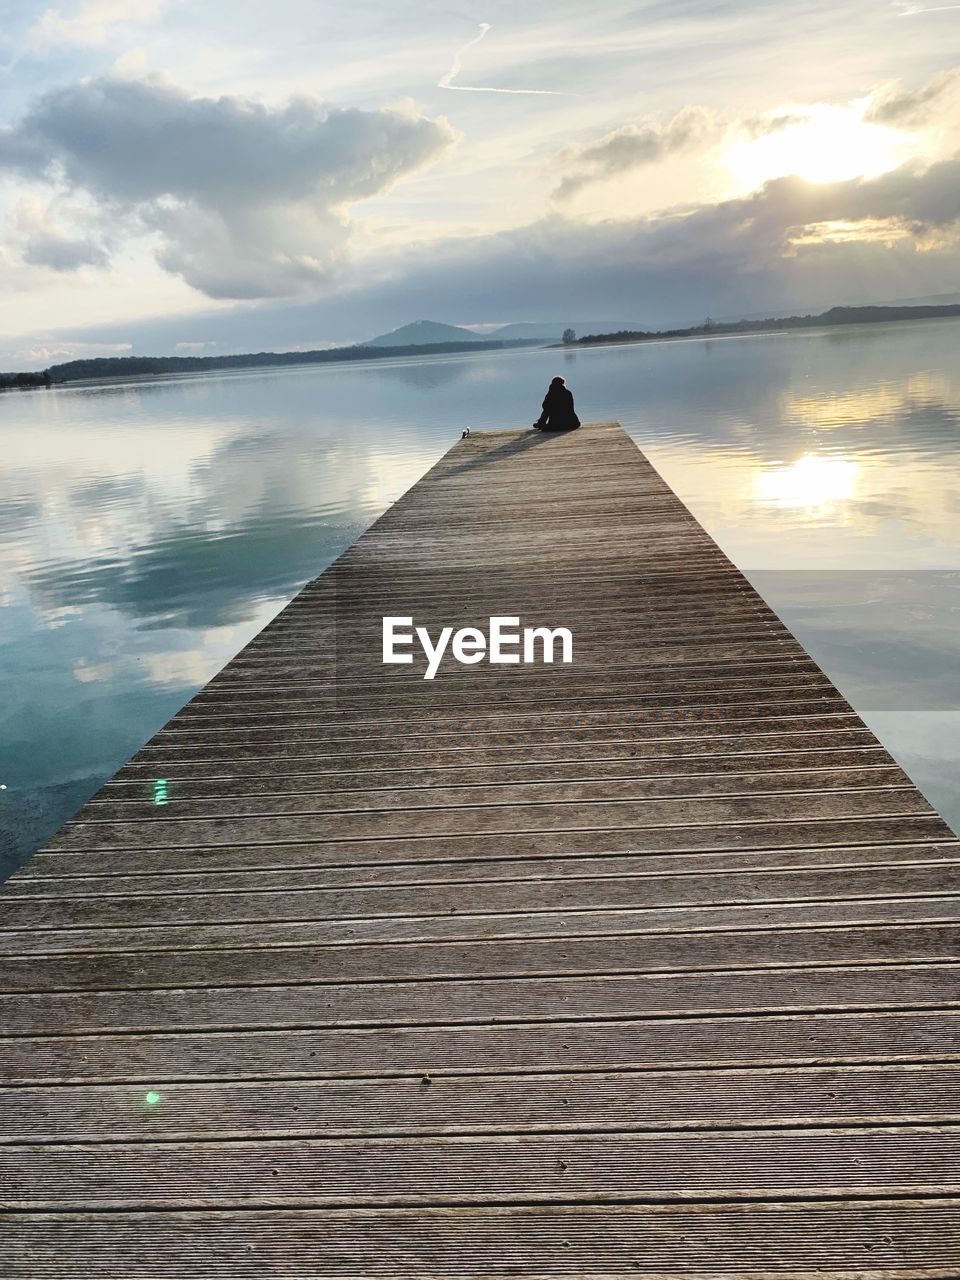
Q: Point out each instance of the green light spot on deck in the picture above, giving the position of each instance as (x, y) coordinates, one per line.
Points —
(160, 791)
(152, 1098)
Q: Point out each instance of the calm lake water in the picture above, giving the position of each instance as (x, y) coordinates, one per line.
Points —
(147, 531)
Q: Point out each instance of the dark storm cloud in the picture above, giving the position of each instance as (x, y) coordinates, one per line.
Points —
(248, 199)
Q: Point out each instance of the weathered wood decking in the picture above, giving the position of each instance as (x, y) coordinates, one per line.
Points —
(636, 967)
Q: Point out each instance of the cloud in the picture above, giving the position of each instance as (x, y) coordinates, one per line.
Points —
(922, 202)
(60, 235)
(792, 246)
(634, 146)
(761, 126)
(769, 250)
(92, 23)
(894, 104)
(63, 253)
(130, 65)
(247, 200)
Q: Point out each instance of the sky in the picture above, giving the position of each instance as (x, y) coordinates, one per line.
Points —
(225, 175)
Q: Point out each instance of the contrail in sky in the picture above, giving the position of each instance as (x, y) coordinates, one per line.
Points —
(457, 63)
(914, 10)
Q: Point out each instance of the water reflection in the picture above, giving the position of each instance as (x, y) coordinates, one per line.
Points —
(816, 483)
(147, 531)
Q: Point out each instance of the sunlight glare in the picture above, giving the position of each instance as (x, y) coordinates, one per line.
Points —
(831, 144)
(810, 483)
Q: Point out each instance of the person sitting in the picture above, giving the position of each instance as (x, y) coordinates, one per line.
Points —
(558, 411)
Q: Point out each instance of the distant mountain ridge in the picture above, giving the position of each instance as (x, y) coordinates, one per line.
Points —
(552, 331)
(423, 333)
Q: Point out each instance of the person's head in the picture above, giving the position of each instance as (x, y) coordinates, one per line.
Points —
(557, 381)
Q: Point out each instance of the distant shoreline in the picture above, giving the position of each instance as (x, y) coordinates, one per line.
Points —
(103, 367)
(836, 317)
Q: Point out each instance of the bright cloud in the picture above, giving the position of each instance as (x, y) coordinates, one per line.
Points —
(934, 103)
(92, 23)
(633, 147)
(246, 200)
(57, 236)
(822, 144)
(744, 250)
(749, 254)
(648, 160)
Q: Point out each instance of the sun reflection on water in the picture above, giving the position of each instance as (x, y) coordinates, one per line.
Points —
(844, 409)
(814, 483)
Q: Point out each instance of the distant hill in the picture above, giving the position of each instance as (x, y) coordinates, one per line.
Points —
(552, 331)
(930, 300)
(426, 333)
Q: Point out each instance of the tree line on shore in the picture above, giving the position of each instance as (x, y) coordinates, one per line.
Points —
(825, 319)
(133, 366)
(140, 366)
(24, 381)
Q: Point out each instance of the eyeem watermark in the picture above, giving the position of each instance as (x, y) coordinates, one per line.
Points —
(506, 643)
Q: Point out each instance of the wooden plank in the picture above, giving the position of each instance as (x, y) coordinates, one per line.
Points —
(832, 838)
(555, 1169)
(486, 730)
(227, 902)
(482, 1000)
(199, 778)
(858, 848)
(755, 1039)
(55, 944)
(573, 884)
(489, 954)
(768, 782)
(695, 735)
(643, 964)
(70, 870)
(885, 1240)
(539, 1103)
(126, 789)
(502, 820)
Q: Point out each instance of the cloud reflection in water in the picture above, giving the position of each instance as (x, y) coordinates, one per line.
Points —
(147, 532)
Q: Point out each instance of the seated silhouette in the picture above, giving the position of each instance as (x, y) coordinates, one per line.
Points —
(558, 411)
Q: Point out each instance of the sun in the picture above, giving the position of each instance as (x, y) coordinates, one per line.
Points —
(820, 144)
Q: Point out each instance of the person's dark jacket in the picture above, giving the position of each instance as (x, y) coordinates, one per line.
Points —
(558, 411)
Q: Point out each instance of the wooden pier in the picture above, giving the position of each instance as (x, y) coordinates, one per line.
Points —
(638, 966)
